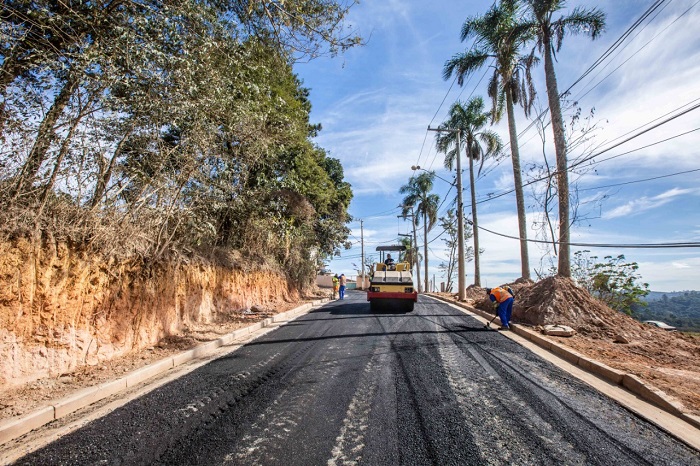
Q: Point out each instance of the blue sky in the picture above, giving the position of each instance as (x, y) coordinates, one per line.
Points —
(376, 102)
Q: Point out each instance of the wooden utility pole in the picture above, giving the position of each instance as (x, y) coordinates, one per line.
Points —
(362, 243)
(415, 250)
(475, 230)
(460, 215)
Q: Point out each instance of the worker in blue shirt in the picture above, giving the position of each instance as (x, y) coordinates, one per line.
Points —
(504, 298)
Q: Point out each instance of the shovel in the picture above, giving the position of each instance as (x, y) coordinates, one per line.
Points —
(488, 325)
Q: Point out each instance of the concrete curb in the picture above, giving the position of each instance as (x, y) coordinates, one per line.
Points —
(628, 381)
(15, 427)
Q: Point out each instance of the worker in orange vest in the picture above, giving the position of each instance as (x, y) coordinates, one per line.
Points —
(336, 285)
(503, 296)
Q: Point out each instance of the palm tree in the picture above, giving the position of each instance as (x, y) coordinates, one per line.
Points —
(499, 36)
(426, 205)
(478, 144)
(549, 37)
(411, 254)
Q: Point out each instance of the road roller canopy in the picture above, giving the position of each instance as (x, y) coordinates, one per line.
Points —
(393, 247)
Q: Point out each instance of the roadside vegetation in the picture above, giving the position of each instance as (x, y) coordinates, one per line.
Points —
(155, 129)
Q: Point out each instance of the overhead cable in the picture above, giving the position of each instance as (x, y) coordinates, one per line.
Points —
(687, 244)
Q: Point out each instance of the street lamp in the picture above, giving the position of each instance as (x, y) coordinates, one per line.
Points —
(418, 167)
(460, 215)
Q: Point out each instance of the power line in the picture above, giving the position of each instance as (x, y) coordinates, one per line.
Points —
(380, 214)
(667, 120)
(641, 181)
(592, 156)
(651, 121)
(617, 43)
(648, 145)
(580, 96)
(688, 244)
(595, 64)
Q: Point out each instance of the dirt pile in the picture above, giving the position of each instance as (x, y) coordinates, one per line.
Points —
(476, 295)
(557, 300)
(667, 360)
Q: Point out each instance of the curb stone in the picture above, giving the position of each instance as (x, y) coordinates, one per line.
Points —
(17, 426)
(630, 382)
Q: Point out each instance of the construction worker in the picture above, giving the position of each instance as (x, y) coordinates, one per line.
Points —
(342, 281)
(503, 297)
(336, 285)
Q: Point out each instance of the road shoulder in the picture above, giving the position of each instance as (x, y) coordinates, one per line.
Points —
(646, 402)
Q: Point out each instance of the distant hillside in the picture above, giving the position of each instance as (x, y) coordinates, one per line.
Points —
(657, 295)
(680, 309)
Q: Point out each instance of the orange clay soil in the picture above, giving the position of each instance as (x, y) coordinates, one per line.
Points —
(669, 361)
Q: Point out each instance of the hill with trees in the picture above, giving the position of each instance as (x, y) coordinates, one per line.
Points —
(681, 311)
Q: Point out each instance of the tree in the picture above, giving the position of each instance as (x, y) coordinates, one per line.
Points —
(549, 37)
(426, 205)
(499, 36)
(148, 127)
(613, 281)
(478, 144)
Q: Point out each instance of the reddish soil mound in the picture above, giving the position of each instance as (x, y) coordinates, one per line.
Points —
(557, 300)
(667, 360)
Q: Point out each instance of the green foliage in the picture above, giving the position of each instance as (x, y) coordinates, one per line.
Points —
(682, 311)
(478, 143)
(614, 281)
(170, 127)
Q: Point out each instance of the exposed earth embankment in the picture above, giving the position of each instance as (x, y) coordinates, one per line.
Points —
(62, 309)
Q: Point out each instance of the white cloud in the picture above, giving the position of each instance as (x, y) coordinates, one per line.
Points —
(680, 265)
(643, 204)
(671, 275)
(378, 105)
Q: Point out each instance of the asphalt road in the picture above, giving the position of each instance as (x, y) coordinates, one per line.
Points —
(341, 385)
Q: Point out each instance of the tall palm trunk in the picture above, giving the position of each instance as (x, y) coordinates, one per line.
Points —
(517, 178)
(564, 266)
(475, 229)
(425, 250)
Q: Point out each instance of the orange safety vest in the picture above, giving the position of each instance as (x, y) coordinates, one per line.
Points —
(500, 294)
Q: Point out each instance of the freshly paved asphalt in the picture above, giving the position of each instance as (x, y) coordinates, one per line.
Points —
(341, 385)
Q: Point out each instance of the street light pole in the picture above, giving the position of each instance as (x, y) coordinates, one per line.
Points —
(418, 167)
(461, 282)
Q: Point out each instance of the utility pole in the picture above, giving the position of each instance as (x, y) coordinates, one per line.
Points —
(460, 215)
(362, 242)
(414, 248)
(475, 229)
